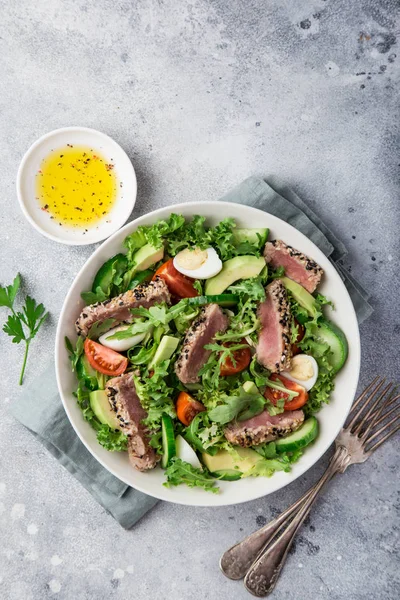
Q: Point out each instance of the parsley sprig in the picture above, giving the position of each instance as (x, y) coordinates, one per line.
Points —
(21, 325)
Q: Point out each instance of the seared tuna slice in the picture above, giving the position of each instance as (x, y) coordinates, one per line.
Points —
(274, 351)
(193, 356)
(263, 428)
(118, 308)
(297, 265)
(125, 402)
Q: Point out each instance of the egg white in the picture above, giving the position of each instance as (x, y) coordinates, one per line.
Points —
(212, 266)
(307, 383)
(120, 345)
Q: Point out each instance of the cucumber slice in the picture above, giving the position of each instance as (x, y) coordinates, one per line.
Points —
(331, 334)
(168, 440)
(221, 299)
(227, 475)
(300, 438)
(140, 278)
(254, 236)
(105, 274)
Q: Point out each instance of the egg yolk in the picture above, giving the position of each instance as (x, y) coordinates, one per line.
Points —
(191, 259)
(302, 369)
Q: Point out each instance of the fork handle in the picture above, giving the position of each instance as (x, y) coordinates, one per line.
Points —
(264, 573)
(236, 561)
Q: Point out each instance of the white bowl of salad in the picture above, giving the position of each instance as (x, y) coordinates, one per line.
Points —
(207, 360)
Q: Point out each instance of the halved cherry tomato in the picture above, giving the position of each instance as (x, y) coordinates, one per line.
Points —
(275, 395)
(104, 359)
(187, 408)
(241, 361)
(300, 335)
(179, 285)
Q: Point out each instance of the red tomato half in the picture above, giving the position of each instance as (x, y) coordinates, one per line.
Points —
(275, 395)
(179, 285)
(241, 357)
(104, 359)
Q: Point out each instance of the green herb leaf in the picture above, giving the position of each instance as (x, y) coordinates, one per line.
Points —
(74, 353)
(100, 327)
(31, 317)
(241, 406)
(13, 328)
(8, 294)
(179, 472)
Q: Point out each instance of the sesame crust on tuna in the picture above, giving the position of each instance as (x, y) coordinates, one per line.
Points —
(278, 293)
(308, 263)
(118, 308)
(264, 433)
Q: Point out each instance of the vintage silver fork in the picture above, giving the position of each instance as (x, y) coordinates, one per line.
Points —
(353, 445)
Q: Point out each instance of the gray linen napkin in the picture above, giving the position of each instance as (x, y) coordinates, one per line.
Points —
(40, 409)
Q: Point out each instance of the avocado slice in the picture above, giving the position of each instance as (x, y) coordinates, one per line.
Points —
(223, 462)
(102, 409)
(147, 256)
(240, 267)
(165, 350)
(300, 294)
(254, 236)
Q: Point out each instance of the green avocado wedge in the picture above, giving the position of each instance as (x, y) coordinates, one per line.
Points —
(300, 294)
(240, 267)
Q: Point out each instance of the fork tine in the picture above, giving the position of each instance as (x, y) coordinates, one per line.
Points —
(367, 389)
(387, 414)
(386, 437)
(382, 429)
(377, 413)
(362, 396)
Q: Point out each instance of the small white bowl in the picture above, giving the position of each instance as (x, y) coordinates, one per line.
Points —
(126, 188)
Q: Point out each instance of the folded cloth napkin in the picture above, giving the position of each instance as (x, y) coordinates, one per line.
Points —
(40, 408)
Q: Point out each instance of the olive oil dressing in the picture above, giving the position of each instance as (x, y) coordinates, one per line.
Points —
(77, 186)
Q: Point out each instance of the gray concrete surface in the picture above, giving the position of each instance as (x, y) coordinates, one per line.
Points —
(201, 94)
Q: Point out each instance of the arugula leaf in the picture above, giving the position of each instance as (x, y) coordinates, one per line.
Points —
(242, 406)
(139, 326)
(179, 472)
(31, 317)
(100, 327)
(140, 355)
(74, 353)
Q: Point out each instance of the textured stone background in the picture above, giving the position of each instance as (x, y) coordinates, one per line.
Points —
(201, 94)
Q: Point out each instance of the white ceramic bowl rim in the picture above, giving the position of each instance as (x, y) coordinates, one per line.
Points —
(331, 417)
(121, 212)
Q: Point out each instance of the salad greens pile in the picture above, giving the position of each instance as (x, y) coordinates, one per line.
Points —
(237, 397)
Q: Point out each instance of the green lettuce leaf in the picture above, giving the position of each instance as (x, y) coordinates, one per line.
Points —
(179, 472)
